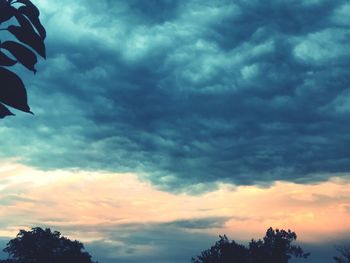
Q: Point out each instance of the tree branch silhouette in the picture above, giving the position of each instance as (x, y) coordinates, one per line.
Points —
(29, 35)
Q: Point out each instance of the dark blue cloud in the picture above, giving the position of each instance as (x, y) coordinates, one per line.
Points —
(188, 93)
(151, 245)
(322, 252)
(207, 223)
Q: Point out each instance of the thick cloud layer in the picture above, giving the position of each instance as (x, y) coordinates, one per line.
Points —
(191, 92)
(121, 219)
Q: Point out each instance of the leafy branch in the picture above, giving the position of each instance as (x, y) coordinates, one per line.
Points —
(29, 34)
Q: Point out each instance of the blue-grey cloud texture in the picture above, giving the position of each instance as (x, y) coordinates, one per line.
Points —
(154, 243)
(168, 243)
(191, 92)
(176, 242)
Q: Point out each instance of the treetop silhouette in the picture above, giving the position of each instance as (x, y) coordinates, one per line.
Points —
(44, 246)
(275, 247)
(29, 35)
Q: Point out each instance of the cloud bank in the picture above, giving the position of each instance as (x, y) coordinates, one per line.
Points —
(122, 219)
(191, 93)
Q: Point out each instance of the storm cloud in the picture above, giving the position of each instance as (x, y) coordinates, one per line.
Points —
(191, 93)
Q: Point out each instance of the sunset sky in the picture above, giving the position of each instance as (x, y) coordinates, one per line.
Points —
(161, 124)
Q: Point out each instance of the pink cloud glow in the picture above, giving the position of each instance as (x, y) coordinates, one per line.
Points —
(76, 198)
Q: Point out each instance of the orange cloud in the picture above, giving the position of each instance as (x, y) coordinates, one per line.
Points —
(60, 198)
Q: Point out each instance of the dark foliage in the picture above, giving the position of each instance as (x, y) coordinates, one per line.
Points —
(344, 255)
(224, 251)
(43, 246)
(274, 247)
(29, 34)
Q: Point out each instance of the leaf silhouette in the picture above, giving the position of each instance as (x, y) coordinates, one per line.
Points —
(6, 11)
(12, 91)
(23, 54)
(5, 60)
(29, 37)
(29, 43)
(4, 111)
(33, 9)
(34, 20)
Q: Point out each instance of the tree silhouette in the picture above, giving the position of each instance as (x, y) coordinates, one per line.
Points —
(275, 247)
(43, 246)
(224, 251)
(344, 255)
(22, 22)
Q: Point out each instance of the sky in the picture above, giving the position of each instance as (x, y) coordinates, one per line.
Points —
(161, 124)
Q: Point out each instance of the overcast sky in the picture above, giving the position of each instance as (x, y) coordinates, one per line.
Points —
(161, 124)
